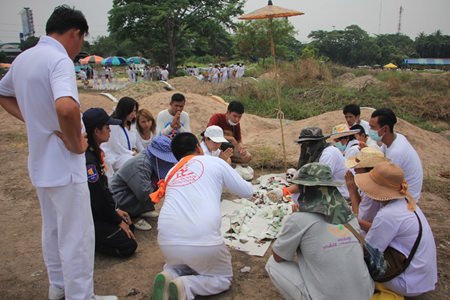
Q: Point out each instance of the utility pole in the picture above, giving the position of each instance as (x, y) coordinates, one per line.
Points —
(379, 16)
(400, 19)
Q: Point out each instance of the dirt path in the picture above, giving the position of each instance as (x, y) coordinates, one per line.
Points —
(23, 275)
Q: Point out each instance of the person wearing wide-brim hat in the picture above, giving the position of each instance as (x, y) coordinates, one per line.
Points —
(132, 184)
(362, 205)
(397, 225)
(314, 248)
(113, 228)
(345, 140)
(314, 148)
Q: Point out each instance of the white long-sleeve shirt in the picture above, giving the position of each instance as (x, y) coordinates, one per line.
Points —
(164, 120)
(119, 147)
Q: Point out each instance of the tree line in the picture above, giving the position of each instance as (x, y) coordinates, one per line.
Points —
(207, 31)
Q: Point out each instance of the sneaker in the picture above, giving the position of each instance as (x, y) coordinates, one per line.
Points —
(161, 286)
(142, 225)
(176, 290)
(150, 214)
(98, 297)
(55, 293)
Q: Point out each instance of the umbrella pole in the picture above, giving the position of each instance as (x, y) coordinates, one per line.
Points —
(280, 113)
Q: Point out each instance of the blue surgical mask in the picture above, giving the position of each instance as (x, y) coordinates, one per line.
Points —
(340, 146)
(373, 134)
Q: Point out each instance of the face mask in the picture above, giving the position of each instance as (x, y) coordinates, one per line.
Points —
(232, 123)
(340, 146)
(373, 134)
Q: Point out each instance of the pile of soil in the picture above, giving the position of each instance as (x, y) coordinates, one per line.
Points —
(361, 82)
(346, 77)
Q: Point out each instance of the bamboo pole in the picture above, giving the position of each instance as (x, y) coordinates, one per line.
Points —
(280, 113)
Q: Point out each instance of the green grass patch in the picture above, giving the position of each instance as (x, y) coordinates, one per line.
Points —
(308, 89)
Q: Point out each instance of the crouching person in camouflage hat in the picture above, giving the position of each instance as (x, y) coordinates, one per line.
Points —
(314, 249)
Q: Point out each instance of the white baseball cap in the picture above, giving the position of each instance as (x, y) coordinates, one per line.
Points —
(215, 134)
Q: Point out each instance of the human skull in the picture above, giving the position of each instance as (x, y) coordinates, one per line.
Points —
(290, 174)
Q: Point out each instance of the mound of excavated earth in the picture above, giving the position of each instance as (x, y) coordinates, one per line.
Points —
(263, 136)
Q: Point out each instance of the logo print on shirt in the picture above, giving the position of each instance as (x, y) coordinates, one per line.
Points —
(188, 174)
(339, 231)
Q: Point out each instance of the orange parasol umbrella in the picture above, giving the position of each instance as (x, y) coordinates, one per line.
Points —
(269, 12)
(92, 59)
(5, 65)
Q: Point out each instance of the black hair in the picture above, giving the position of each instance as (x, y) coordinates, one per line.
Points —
(177, 97)
(91, 140)
(385, 117)
(350, 137)
(65, 18)
(236, 106)
(183, 144)
(352, 109)
(361, 129)
(125, 107)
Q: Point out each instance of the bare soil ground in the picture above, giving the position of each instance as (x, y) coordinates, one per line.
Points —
(23, 275)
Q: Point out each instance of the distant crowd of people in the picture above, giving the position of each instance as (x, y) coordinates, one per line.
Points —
(356, 187)
(217, 73)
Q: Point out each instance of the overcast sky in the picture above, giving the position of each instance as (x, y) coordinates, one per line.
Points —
(373, 16)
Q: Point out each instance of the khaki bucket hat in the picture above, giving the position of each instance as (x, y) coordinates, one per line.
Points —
(367, 158)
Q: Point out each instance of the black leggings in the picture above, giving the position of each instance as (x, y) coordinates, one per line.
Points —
(111, 240)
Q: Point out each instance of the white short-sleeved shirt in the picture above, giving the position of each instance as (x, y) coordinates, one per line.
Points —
(396, 226)
(330, 258)
(191, 212)
(332, 157)
(402, 153)
(207, 152)
(37, 79)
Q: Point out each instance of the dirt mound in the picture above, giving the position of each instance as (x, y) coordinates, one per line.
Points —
(346, 77)
(138, 90)
(201, 108)
(263, 136)
(362, 82)
(189, 84)
(434, 158)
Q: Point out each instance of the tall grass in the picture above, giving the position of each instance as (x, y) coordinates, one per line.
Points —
(308, 89)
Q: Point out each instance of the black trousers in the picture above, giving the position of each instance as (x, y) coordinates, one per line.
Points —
(111, 240)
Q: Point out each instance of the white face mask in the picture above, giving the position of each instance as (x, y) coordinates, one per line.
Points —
(232, 123)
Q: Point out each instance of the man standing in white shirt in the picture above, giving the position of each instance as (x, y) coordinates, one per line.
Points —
(173, 120)
(197, 260)
(164, 74)
(397, 148)
(40, 89)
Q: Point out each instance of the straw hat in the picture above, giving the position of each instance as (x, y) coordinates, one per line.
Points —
(342, 130)
(367, 158)
(385, 182)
